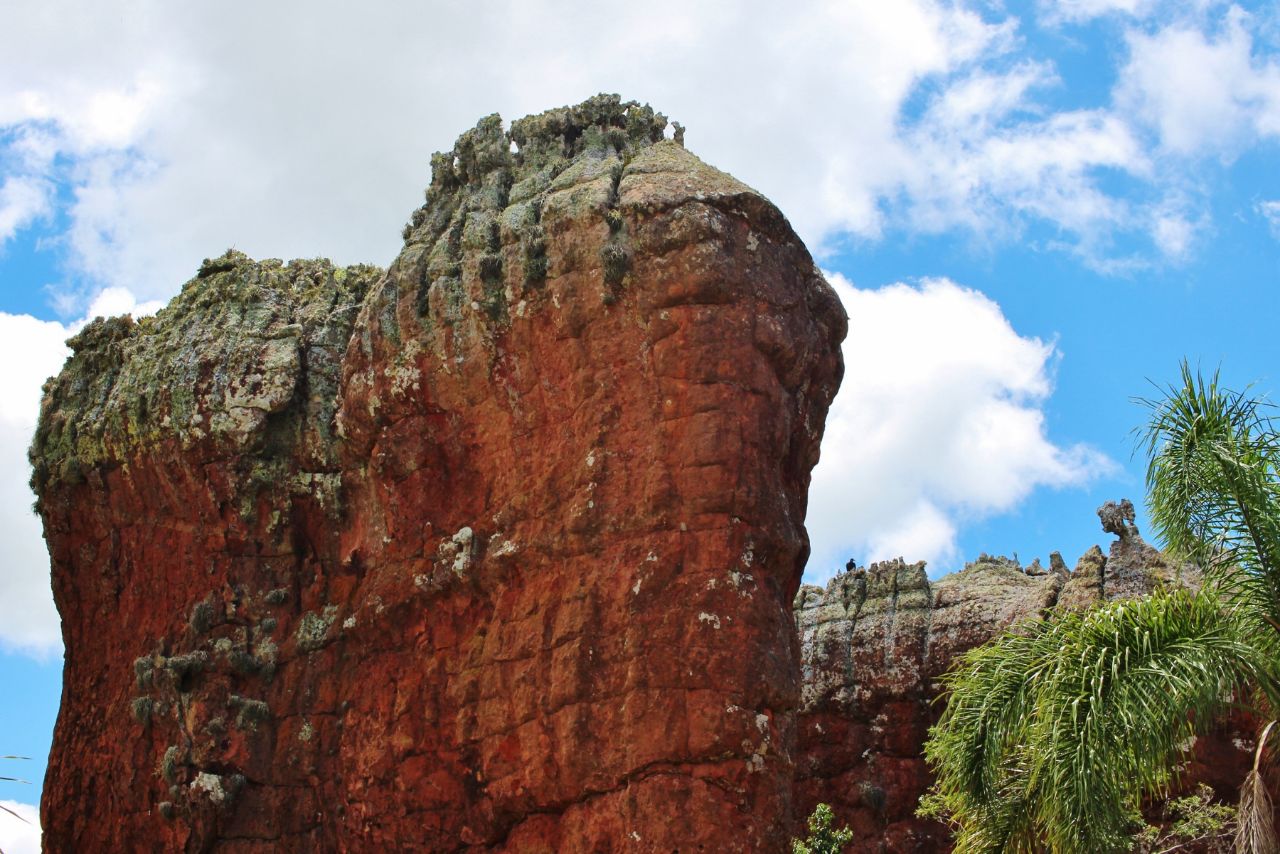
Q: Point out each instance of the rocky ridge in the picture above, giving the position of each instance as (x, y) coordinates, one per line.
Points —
(496, 549)
(875, 641)
(493, 550)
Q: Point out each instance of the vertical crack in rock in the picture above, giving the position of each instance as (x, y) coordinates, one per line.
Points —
(496, 548)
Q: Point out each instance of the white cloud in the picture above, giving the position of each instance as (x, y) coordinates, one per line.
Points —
(1174, 233)
(1043, 170)
(1202, 92)
(110, 302)
(32, 350)
(1270, 211)
(1058, 12)
(187, 131)
(26, 185)
(1079, 11)
(939, 421)
(19, 837)
(298, 129)
(923, 531)
(22, 200)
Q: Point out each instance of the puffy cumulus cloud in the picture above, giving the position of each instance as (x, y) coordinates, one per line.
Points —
(939, 421)
(296, 129)
(326, 152)
(1203, 89)
(19, 835)
(32, 350)
(986, 162)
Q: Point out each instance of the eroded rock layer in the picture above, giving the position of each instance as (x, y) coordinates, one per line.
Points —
(492, 551)
(875, 641)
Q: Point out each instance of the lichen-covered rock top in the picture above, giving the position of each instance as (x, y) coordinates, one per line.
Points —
(498, 558)
(245, 356)
(558, 216)
(494, 198)
(570, 156)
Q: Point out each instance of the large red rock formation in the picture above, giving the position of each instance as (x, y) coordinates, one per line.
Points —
(875, 641)
(492, 551)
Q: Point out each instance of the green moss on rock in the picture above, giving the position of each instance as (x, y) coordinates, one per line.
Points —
(143, 672)
(249, 712)
(615, 260)
(142, 708)
(488, 193)
(246, 358)
(169, 763)
(201, 617)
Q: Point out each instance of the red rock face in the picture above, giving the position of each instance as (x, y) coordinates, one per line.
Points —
(493, 551)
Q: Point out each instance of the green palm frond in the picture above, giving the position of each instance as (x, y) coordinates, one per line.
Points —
(1136, 680)
(1055, 733)
(1213, 485)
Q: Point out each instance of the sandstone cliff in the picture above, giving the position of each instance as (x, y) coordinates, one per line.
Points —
(875, 641)
(494, 550)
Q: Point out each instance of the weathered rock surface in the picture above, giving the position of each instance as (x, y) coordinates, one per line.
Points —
(875, 641)
(492, 551)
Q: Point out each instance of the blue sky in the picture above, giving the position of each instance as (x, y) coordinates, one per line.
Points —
(1030, 211)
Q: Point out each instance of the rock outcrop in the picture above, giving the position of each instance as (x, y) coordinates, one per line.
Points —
(494, 550)
(875, 641)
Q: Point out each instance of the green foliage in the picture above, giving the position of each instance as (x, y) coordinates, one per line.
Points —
(169, 763)
(1193, 822)
(1055, 733)
(144, 671)
(201, 617)
(1213, 485)
(616, 261)
(249, 712)
(822, 839)
(142, 709)
(613, 217)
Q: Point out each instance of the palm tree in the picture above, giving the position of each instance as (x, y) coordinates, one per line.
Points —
(1054, 732)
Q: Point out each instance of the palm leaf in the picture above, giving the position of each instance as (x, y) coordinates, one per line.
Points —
(1213, 484)
(1055, 733)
